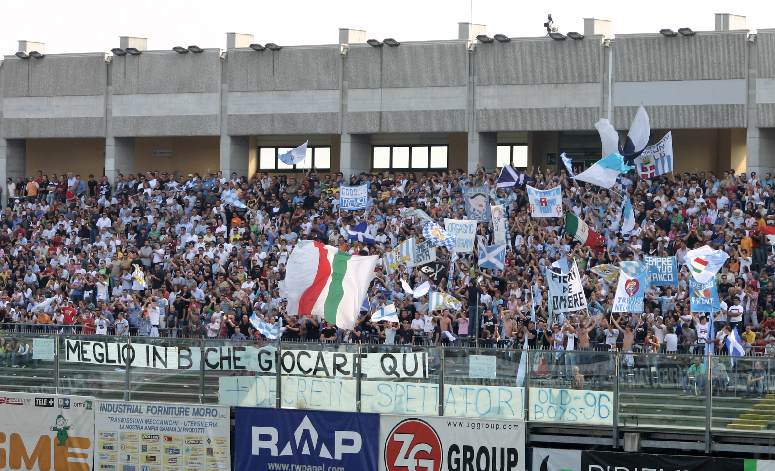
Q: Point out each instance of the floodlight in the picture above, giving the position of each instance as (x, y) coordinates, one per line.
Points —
(22, 55)
(575, 35)
(195, 49)
(374, 43)
(180, 50)
(668, 33)
(117, 51)
(257, 47)
(557, 36)
(37, 55)
(273, 47)
(133, 51)
(686, 32)
(391, 42)
(502, 38)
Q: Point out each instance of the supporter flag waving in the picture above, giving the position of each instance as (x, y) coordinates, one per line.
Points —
(294, 156)
(605, 171)
(545, 203)
(439, 300)
(705, 262)
(628, 216)
(580, 231)
(360, 233)
(507, 178)
(439, 236)
(270, 331)
(387, 313)
(568, 162)
(637, 137)
(322, 281)
(492, 256)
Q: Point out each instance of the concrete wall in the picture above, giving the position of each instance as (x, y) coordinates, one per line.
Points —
(79, 156)
(685, 82)
(765, 78)
(177, 154)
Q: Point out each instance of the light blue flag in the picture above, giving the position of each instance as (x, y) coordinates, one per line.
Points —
(294, 156)
(568, 164)
(663, 271)
(492, 256)
(703, 297)
(387, 313)
(705, 262)
(628, 216)
(270, 331)
(605, 171)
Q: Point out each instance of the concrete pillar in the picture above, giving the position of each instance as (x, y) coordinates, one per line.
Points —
(13, 160)
(235, 155)
(540, 144)
(595, 26)
(29, 46)
(354, 154)
(730, 22)
(119, 157)
(141, 44)
(469, 31)
(482, 150)
(352, 36)
(760, 144)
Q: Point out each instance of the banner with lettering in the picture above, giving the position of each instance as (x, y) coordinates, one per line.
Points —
(566, 293)
(633, 281)
(572, 406)
(353, 197)
(464, 231)
(424, 252)
(161, 436)
(703, 297)
(663, 271)
(46, 431)
(545, 203)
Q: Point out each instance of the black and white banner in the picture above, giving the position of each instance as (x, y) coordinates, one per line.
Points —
(566, 293)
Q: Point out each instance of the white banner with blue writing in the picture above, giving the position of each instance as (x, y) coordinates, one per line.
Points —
(353, 197)
(545, 203)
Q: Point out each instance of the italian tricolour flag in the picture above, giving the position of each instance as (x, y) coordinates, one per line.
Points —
(325, 282)
(579, 230)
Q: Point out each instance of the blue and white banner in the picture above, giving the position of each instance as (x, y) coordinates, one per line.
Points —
(703, 297)
(424, 252)
(545, 203)
(566, 293)
(302, 439)
(439, 300)
(387, 313)
(294, 156)
(464, 233)
(663, 271)
(705, 262)
(656, 160)
(477, 201)
(499, 219)
(492, 256)
(353, 197)
(403, 255)
(633, 281)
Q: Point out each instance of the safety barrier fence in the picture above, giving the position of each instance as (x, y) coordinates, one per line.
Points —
(620, 390)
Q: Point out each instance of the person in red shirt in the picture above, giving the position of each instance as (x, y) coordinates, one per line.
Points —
(89, 327)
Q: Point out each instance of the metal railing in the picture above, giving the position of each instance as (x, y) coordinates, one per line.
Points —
(620, 390)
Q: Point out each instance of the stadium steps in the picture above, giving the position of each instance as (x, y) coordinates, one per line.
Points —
(759, 417)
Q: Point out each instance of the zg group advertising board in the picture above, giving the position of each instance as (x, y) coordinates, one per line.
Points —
(161, 437)
(46, 432)
(548, 459)
(305, 440)
(451, 444)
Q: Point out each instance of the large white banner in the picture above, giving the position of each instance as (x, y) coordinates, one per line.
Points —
(161, 436)
(464, 231)
(247, 358)
(385, 397)
(566, 293)
(46, 432)
(575, 406)
(445, 444)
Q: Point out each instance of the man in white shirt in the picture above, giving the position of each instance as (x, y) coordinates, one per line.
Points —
(735, 315)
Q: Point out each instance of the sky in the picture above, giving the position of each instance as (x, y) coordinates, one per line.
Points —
(95, 25)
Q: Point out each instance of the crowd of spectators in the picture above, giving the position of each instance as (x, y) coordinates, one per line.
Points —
(156, 254)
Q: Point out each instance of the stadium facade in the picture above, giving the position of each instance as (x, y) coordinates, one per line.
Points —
(436, 104)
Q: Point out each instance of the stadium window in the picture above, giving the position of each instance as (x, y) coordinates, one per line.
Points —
(318, 158)
(409, 157)
(512, 154)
